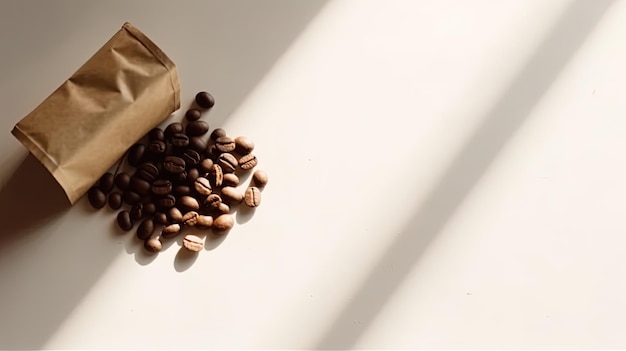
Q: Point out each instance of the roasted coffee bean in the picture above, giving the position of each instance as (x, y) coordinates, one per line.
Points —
(212, 151)
(217, 132)
(247, 162)
(122, 180)
(124, 221)
(193, 114)
(193, 243)
(217, 176)
(253, 196)
(166, 202)
(230, 179)
(160, 218)
(147, 171)
(206, 165)
(171, 230)
(156, 134)
(97, 198)
(115, 200)
(161, 187)
(135, 154)
(145, 229)
(140, 186)
(174, 164)
(188, 202)
(225, 144)
(106, 182)
(136, 212)
(259, 178)
(157, 148)
(196, 128)
(179, 141)
(203, 186)
(192, 175)
(198, 144)
(153, 245)
(175, 215)
(213, 201)
(130, 197)
(190, 218)
(191, 157)
(223, 223)
(181, 190)
(173, 128)
(223, 208)
(205, 100)
(243, 145)
(232, 195)
(228, 162)
(149, 208)
(204, 221)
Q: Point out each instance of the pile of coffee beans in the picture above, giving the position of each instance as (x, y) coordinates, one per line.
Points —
(180, 179)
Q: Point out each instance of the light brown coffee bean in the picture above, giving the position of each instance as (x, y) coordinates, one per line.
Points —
(189, 202)
(223, 223)
(223, 208)
(259, 177)
(232, 195)
(217, 175)
(213, 201)
(253, 196)
(190, 218)
(228, 162)
(193, 242)
(203, 186)
(230, 179)
(171, 230)
(153, 245)
(206, 164)
(243, 145)
(175, 215)
(205, 221)
(225, 144)
(248, 161)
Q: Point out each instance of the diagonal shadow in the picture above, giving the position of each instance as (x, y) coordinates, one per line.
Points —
(498, 125)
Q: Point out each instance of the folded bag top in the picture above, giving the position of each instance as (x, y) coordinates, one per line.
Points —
(126, 88)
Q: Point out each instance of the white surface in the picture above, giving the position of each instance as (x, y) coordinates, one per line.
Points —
(442, 174)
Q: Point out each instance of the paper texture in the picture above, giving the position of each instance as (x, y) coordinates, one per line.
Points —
(125, 89)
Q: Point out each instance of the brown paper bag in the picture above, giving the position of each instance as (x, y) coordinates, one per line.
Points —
(127, 88)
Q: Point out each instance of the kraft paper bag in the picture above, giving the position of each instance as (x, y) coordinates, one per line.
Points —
(125, 89)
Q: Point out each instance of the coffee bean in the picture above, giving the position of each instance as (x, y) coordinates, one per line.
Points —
(156, 134)
(191, 157)
(161, 187)
(171, 230)
(179, 178)
(115, 200)
(203, 186)
(223, 223)
(149, 208)
(145, 229)
(181, 190)
(192, 175)
(160, 218)
(139, 186)
(179, 141)
(218, 132)
(147, 171)
(193, 243)
(136, 212)
(247, 162)
(135, 154)
(259, 177)
(230, 179)
(153, 245)
(122, 180)
(124, 221)
(166, 202)
(174, 164)
(157, 148)
(130, 197)
(232, 195)
(213, 201)
(217, 176)
(190, 218)
(193, 114)
(205, 100)
(175, 215)
(198, 144)
(206, 164)
(243, 145)
(225, 144)
(223, 208)
(212, 151)
(106, 182)
(253, 196)
(205, 221)
(196, 128)
(228, 162)
(188, 202)
(173, 128)
(97, 198)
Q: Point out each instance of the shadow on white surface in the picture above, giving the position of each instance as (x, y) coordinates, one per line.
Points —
(498, 125)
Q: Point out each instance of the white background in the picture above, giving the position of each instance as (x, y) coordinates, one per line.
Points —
(443, 174)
